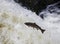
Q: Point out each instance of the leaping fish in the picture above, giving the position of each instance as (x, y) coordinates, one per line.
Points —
(34, 25)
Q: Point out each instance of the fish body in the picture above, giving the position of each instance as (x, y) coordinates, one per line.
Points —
(34, 25)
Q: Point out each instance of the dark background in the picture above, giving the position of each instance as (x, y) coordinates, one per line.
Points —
(36, 5)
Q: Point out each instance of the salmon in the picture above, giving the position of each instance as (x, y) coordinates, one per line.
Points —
(34, 25)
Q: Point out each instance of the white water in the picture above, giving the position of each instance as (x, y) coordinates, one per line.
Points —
(19, 33)
(52, 21)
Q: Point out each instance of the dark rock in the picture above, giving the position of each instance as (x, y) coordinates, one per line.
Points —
(36, 5)
(42, 16)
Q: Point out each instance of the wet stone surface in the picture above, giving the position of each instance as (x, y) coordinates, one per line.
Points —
(36, 5)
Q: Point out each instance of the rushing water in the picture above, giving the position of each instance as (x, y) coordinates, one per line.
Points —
(51, 10)
(16, 32)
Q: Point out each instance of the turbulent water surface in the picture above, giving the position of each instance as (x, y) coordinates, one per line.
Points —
(14, 31)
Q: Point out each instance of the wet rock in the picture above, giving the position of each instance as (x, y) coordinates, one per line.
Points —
(36, 5)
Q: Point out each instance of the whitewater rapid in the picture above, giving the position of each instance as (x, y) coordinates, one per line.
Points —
(14, 31)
